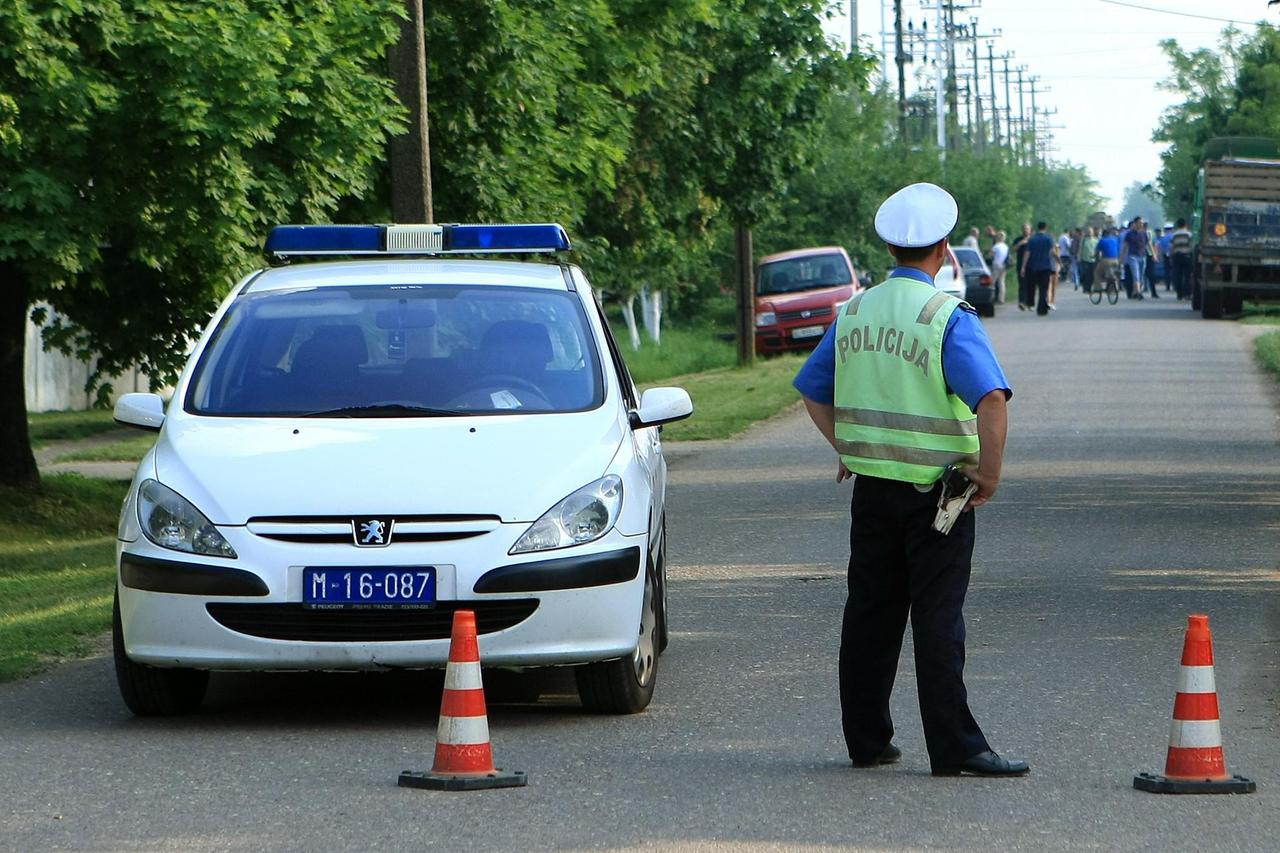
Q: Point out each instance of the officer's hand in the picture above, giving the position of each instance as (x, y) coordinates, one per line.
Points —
(986, 488)
(842, 473)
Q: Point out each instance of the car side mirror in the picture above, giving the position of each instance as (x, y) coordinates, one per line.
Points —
(660, 406)
(145, 411)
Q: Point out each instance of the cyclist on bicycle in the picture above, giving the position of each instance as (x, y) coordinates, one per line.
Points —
(1108, 257)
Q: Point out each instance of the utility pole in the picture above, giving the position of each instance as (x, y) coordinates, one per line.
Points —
(853, 26)
(901, 58)
(1035, 133)
(995, 109)
(977, 87)
(410, 153)
(939, 94)
(1022, 120)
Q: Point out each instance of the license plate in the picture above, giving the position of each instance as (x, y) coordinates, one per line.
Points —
(369, 588)
(808, 332)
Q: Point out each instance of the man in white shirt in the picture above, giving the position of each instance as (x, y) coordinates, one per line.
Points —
(999, 264)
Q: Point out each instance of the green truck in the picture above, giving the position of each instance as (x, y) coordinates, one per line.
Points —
(1237, 223)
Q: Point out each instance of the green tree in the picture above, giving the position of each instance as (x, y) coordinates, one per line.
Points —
(147, 147)
(1232, 91)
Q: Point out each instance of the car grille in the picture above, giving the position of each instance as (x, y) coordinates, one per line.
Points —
(336, 529)
(294, 622)
(800, 315)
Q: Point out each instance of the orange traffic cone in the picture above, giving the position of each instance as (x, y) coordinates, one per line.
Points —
(464, 757)
(1195, 764)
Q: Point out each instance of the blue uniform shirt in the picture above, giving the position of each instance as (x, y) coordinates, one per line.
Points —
(1109, 246)
(969, 363)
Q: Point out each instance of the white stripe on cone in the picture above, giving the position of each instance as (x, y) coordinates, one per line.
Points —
(460, 731)
(1193, 734)
(1196, 679)
(462, 676)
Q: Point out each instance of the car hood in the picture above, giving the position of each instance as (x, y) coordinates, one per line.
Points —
(806, 299)
(512, 466)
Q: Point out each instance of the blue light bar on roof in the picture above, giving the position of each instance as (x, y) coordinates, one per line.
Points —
(291, 241)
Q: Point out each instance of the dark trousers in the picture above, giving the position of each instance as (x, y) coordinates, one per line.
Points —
(1182, 274)
(1036, 287)
(900, 567)
(1086, 275)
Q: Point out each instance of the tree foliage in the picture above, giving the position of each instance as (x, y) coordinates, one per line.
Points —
(149, 144)
(1231, 91)
(862, 161)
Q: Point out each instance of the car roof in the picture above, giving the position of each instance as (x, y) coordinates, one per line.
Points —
(801, 253)
(391, 271)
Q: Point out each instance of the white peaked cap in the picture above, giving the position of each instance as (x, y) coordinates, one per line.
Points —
(917, 215)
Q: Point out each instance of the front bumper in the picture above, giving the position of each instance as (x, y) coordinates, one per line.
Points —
(558, 607)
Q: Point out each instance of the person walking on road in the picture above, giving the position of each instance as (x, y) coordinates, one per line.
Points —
(1019, 249)
(904, 384)
(999, 264)
(1088, 258)
(1180, 256)
(1133, 256)
(1037, 268)
(1163, 248)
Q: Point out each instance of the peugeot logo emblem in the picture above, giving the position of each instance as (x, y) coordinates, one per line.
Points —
(372, 532)
(805, 315)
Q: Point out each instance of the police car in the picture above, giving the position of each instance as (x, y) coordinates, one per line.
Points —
(375, 432)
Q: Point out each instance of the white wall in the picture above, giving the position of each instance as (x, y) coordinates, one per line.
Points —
(55, 381)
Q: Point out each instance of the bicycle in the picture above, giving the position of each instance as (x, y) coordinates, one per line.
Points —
(1110, 276)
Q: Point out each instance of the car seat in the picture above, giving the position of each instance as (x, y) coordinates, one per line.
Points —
(326, 367)
(516, 348)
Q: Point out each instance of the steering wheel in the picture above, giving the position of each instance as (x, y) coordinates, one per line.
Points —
(501, 382)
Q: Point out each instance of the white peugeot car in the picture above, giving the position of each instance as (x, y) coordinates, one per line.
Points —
(357, 448)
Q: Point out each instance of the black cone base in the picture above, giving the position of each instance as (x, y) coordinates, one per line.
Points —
(1164, 785)
(497, 779)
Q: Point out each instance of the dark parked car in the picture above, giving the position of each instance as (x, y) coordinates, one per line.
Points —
(978, 289)
(797, 294)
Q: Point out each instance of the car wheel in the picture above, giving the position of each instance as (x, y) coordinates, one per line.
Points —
(625, 685)
(987, 310)
(152, 691)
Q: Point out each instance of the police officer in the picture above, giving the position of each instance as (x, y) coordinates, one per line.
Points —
(904, 384)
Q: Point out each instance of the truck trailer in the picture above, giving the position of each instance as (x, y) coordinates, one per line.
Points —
(1237, 220)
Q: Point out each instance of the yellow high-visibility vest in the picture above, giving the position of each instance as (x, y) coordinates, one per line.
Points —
(894, 415)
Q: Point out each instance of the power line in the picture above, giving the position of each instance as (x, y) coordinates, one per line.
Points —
(1180, 14)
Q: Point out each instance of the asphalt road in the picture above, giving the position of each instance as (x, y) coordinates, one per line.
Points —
(1142, 484)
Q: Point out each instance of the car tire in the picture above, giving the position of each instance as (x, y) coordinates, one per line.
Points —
(660, 573)
(625, 685)
(152, 691)
(1211, 304)
(987, 310)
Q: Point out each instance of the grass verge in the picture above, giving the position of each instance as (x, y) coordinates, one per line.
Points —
(1267, 346)
(728, 400)
(46, 427)
(129, 449)
(1261, 314)
(56, 570)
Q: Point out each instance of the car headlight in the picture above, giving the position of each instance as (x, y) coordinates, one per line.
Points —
(766, 318)
(583, 516)
(170, 521)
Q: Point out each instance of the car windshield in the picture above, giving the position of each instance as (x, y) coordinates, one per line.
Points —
(806, 273)
(398, 351)
(969, 259)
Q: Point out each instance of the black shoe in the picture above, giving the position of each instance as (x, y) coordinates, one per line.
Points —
(889, 755)
(986, 764)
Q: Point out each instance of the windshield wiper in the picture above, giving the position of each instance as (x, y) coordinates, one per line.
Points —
(383, 410)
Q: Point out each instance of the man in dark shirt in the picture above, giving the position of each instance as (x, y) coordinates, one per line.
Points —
(1038, 266)
(1019, 249)
(1133, 255)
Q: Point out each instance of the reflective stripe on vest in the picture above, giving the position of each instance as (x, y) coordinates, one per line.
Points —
(894, 416)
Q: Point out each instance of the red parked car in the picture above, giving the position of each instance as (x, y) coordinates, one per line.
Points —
(797, 294)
